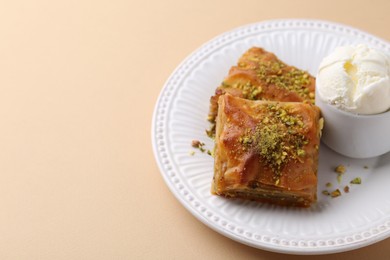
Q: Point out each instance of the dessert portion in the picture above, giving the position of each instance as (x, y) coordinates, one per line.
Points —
(266, 151)
(260, 75)
(355, 79)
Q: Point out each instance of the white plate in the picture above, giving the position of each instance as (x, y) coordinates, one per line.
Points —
(358, 218)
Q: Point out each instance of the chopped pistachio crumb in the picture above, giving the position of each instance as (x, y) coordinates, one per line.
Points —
(211, 153)
(246, 140)
(365, 167)
(192, 153)
(340, 169)
(301, 152)
(196, 143)
(335, 193)
(339, 178)
(325, 192)
(211, 131)
(328, 184)
(357, 180)
(224, 84)
(346, 189)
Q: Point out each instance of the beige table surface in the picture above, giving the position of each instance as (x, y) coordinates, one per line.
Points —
(78, 83)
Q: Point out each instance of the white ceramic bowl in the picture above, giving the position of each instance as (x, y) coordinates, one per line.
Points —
(352, 135)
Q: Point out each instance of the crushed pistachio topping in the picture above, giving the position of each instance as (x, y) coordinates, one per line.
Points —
(340, 169)
(249, 91)
(335, 193)
(328, 184)
(277, 138)
(282, 76)
(357, 180)
(365, 167)
(192, 153)
(301, 152)
(325, 192)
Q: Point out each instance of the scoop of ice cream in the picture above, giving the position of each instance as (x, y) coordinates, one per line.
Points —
(355, 79)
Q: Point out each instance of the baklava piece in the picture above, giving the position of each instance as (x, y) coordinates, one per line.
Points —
(260, 75)
(267, 151)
